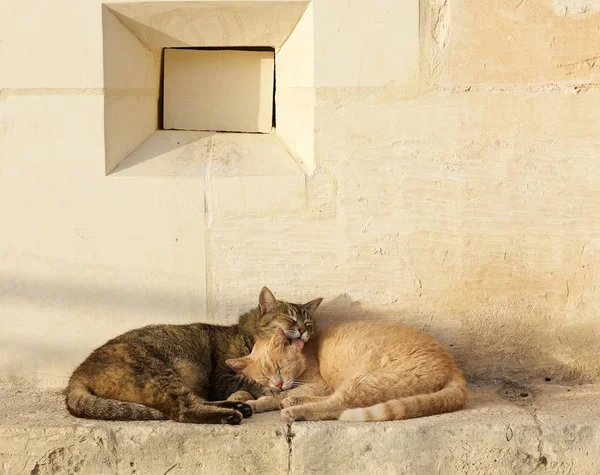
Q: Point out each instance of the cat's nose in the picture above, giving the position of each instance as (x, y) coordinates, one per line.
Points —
(279, 384)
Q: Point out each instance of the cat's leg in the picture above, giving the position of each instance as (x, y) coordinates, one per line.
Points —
(241, 396)
(228, 384)
(360, 391)
(188, 407)
(326, 408)
(308, 393)
(265, 404)
(272, 403)
(239, 406)
(166, 391)
(196, 378)
(291, 401)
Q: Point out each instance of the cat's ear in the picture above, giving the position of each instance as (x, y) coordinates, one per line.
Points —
(266, 301)
(313, 305)
(238, 364)
(279, 339)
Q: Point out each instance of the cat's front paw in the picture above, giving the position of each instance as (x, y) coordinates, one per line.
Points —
(292, 401)
(290, 414)
(241, 407)
(240, 396)
(263, 404)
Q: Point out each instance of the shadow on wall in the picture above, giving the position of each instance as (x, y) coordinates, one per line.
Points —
(513, 359)
(488, 352)
(162, 143)
(101, 298)
(20, 354)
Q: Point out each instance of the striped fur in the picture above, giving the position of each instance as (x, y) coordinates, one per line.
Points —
(448, 399)
(82, 403)
(178, 372)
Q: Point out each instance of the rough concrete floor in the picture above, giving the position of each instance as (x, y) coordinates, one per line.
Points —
(544, 429)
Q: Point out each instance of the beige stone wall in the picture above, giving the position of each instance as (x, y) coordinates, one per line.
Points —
(451, 159)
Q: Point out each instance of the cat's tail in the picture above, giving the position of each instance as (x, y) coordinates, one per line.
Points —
(450, 398)
(82, 403)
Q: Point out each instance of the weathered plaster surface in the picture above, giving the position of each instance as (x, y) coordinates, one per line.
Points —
(451, 183)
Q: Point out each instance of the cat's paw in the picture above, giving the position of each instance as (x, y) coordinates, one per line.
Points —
(254, 406)
(264, 404)
(292, 401)
(232, 419)
(290, 414)
(241, 407)
(218, 415)
(240, 396)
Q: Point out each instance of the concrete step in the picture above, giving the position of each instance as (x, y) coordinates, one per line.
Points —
(504, 430)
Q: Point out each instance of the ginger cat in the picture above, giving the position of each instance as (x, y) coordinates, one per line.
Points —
(355, 371)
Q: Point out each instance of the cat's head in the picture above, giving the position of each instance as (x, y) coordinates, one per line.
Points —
(276, 363)
(295, 319)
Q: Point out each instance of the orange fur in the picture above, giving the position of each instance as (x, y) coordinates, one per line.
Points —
(356, 371)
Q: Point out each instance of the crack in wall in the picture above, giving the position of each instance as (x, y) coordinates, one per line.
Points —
(170, 468)
(434, 34)
(542, 460)
(520, 88)
(208, 220)
(289, 437)
(515, 392)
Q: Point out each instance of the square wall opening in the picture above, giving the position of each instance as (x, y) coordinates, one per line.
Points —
(229, 89)
(161, 82)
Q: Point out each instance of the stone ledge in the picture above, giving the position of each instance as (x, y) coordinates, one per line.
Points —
(546, 429)
(38, 436)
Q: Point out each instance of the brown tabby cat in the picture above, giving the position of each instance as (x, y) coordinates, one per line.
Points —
(356, 371)
(172, 371)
